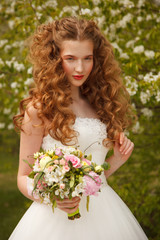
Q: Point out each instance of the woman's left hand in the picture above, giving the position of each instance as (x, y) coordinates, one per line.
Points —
(123, 147)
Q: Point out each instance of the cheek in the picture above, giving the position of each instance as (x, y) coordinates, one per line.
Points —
(90, 67)
(67, 68)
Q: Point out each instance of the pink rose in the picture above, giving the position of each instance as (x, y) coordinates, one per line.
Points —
(62, 161)
(74, 160)
(58, 152)
(66, 168)
(91, 186)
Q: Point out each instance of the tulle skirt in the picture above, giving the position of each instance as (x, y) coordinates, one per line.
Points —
(108, 219)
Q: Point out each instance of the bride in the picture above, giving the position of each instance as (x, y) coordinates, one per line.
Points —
(78, 98)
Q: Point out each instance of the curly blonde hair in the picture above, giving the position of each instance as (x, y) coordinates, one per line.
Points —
(51, 95)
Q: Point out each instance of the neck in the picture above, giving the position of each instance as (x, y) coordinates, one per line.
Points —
(75, 93)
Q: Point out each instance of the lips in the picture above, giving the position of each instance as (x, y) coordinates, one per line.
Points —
(78, 77)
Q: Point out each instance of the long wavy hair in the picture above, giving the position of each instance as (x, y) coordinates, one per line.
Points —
(51, 95)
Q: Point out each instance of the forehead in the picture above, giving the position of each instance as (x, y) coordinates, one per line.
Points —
(77, 48)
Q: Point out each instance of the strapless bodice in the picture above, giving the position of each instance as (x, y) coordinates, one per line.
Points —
(91, 134)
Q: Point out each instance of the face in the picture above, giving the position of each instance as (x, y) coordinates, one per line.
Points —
(77, 59)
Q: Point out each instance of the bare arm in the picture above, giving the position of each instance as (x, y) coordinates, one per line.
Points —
(122, 151)
(30, 142)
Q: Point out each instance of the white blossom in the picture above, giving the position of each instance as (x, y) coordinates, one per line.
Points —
(14, 85)
(11, 24)
(137, 128)
(130, 43)
(18, 66)
(101, 21)
(2, 75)
(50, 3)
(3, 42)
(114, 12)
(96, 10)
(127, 3)
(10, 126)
(6, 110)
(131, 85)
(85, 11)
(147, 112)
(123, 22)
(149, 54)
(148, 17)
(2, 125)
(1, 61)
(124, 55)
(140, 3)
(7, 48)
(145, 96)
(138, 49)
(139, 18)
(29, 81)
(96, 2)
(158, 96)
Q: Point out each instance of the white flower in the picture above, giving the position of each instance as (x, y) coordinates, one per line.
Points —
(29, 70)
(3, 42)
(2, 125)
(2, 75)
(147, 112)
(18, 66)
(140, 3)
(1, 61)
(44, 161)
(96, 2)
(85, 11)
(124, 55)
(145, 96)
(114, 12)
(6, 110)
(29, 81)
(158, 96)
(14, 85)
(101, 21)
(11, 24)
(136, 128)
(148, 17)
(123, 22)
(78, 189)
(130, 43)
(149, 54)
(7, 47)
(10, 126)
(138, 49)
(139, 18)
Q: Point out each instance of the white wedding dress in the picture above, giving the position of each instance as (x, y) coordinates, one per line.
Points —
(108, 217)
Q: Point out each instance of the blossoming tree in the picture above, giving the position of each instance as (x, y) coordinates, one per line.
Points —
(133, 28)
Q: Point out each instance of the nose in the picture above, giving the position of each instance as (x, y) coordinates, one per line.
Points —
(79, 66)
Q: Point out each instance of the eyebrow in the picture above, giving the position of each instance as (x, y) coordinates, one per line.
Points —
(68, 55)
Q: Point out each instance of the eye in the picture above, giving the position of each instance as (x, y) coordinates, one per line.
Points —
(88, 58)
(70, 58)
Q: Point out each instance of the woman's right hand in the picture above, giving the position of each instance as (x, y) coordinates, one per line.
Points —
(68, 205)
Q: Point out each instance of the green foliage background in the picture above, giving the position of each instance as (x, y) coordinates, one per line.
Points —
(133, 27)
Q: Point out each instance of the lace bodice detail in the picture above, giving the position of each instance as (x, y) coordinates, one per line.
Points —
(91, 133)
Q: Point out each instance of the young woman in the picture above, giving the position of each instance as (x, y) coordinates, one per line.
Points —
(78, 98)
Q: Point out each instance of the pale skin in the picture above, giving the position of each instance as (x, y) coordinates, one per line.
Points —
(77, 60)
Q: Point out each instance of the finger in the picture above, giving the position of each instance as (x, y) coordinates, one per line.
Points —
(69, 210)
(130, 148)
(123, 144)
(121, 137)
(128, 144)
(68, 203)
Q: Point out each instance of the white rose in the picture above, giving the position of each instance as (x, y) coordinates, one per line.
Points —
(44, 161)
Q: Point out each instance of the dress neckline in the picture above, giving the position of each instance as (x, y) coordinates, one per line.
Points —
(87, 119)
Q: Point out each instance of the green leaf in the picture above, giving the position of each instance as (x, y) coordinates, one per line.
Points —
(31, 165)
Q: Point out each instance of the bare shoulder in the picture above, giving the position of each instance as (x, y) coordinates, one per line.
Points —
(32, 122)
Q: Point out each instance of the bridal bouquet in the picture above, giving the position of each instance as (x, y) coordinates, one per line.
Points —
(64, 172)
